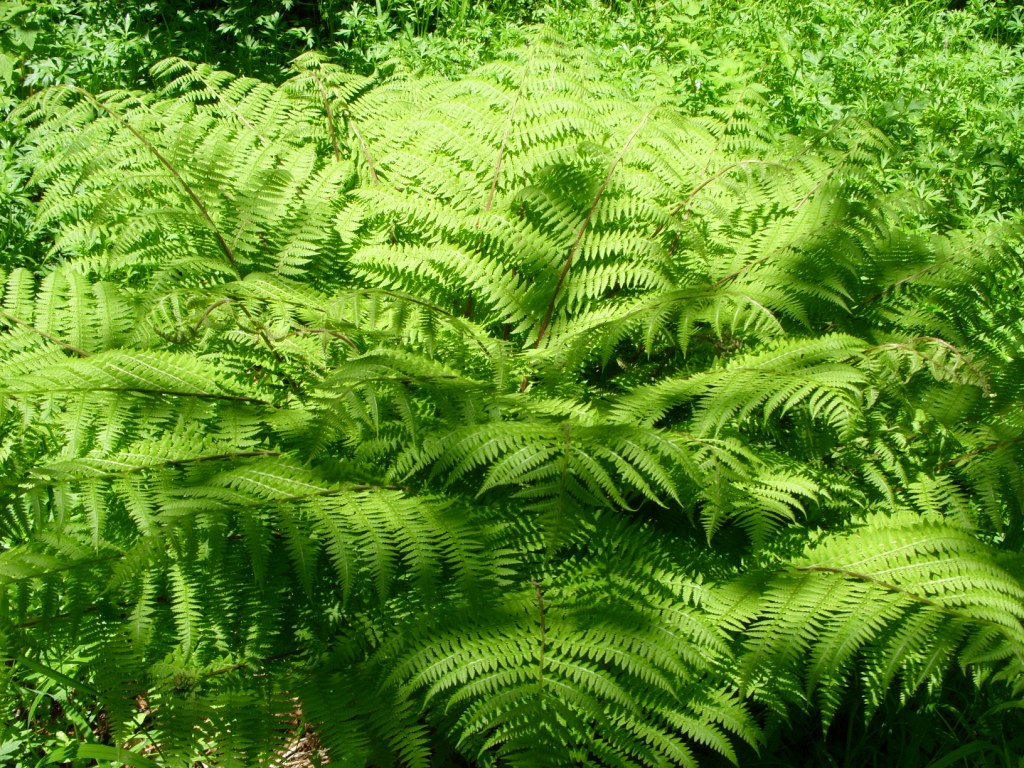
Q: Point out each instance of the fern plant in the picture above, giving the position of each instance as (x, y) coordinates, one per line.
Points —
(502, 420)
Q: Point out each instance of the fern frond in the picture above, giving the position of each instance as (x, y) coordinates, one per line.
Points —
(455, 408)
(902, 596)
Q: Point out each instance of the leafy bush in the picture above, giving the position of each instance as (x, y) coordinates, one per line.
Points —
(944, 84)
(500, 419)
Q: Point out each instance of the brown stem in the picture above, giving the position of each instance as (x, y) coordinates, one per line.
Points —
(501, 150)
(329, 111)
(158, 392)
(327, 332)
(162, 464)
(185, 186)
(543, 634)
(949, 347)
(207, 312)
(746, 268)
(196, 200)
(888, 586)
(365, 150)
(546, 321)
(714, 177)
(979, 451)
(908, 279)
(12, 319)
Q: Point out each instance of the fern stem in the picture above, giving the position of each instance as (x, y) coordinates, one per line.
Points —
(326, 332)
(896, 285)
(749, 266)
(978, 452)
(501, 150)
(337, 490)
(261, 332)
(329, 112)
(836, 166)
(258, 330)
(894, 588)
(543, 635)
(453, 319)
(542, 330)
(371, 166)
(207, 312)
(907, 346)
(713, 178)
(17, 321)
(196, 200)
(173, 463)
(158, 393)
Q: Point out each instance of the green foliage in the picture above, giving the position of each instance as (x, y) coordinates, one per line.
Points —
(943, 83)
(503, 419)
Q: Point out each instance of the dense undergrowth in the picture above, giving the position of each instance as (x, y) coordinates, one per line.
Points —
(478, 396)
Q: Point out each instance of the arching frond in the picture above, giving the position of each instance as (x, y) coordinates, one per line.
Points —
(502, 419)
